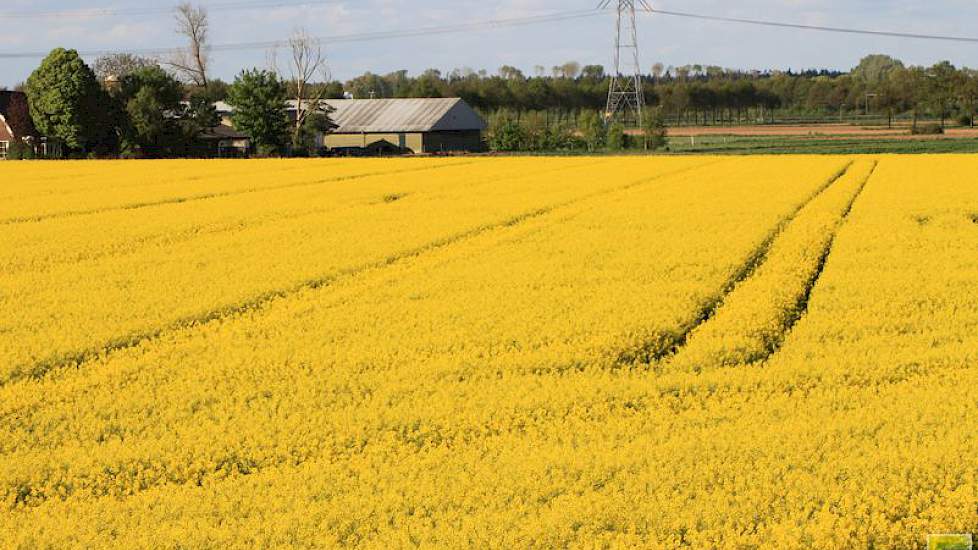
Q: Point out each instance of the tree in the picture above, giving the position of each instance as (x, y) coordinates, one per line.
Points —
(506, 134)
(653, 129)
(259, 101)
(119, 65)
(316, 124)
(592, 130)
(191, 63)
(368, 85)
(67, 103)
(152, 102)
(508, 72)
(873, 70)
(306, 62)
(657, 70)
(593, 73)
(571, 69)
(429, 84)
(616, 137)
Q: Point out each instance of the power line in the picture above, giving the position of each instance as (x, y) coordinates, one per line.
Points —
(357, 37)
(127, 12)
(844, 30)
(465, 27)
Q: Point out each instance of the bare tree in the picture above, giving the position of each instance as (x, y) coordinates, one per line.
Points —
(191, 63)
(307, 62)
(119, 65)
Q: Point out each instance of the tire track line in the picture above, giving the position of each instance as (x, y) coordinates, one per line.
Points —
(801, 308)
(663, 345)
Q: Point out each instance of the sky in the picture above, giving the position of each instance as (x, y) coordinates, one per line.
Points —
(669, 40)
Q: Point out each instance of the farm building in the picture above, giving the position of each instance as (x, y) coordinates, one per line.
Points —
(428, 125)
(17, 128)
(15, 122)
(223, 141)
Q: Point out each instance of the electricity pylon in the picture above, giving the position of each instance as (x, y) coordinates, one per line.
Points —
(626, 98)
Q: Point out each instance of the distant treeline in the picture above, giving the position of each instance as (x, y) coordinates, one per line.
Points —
(698, 94)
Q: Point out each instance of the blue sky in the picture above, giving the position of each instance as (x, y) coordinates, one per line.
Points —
(668, 40)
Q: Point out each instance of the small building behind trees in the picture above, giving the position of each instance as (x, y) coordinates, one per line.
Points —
(223, 141)
(422, 125)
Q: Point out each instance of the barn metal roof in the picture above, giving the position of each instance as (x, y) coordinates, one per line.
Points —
(355, 116)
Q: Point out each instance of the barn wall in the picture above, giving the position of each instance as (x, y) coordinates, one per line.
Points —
(412, 141)
(466, 140)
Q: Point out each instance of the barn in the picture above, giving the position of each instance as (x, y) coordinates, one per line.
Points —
(422, 125)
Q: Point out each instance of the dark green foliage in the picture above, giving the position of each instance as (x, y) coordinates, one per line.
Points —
(507, 134)
(653, 130)
(151, 100)
(315, 124)
(259, 101)
(593, 132)
(531, 132)
(616, 137)
(67, 103)
(18, 150)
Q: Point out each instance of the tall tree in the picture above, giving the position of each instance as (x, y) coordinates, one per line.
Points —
(152, 101)
(191, 62)
(307, 62)
(592, 130)
(67, 102)
(653, 129)
(259, 101)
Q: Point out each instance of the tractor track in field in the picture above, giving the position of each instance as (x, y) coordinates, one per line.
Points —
(801, 307)
(665, 345)
(217, 195)
(40, 369)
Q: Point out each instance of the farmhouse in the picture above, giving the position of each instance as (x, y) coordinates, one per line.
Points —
(16, 126)
(428, 125)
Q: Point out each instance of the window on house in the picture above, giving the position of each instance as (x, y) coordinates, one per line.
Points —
(3, 150)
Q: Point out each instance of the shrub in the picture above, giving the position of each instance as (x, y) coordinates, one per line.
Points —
(19, 150)
(616, 137)
(654, 130)
(507, 136)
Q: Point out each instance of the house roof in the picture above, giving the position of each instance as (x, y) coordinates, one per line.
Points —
(220, 132)
(358, 116)
(403, 115)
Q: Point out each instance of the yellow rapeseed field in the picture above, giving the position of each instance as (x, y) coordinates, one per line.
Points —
(673, 352)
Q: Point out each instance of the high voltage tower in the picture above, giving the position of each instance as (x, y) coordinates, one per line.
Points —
(626, 98)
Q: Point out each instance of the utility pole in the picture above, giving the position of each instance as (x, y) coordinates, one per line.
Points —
(626, 98)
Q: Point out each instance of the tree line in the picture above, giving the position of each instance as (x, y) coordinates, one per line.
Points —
(697, 94)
